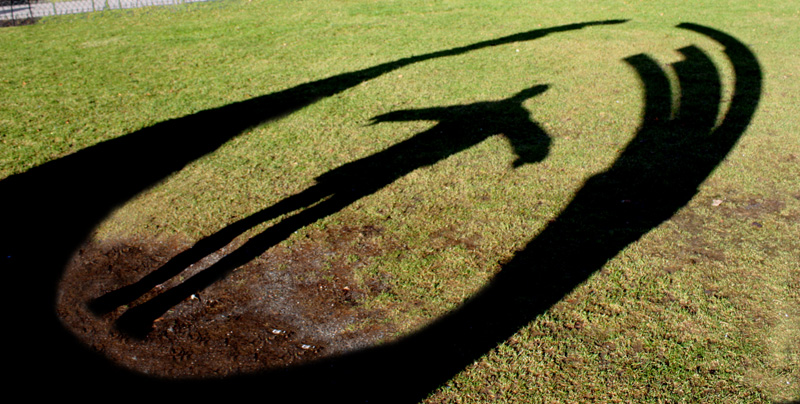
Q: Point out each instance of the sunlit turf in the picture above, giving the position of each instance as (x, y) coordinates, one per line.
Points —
(703, 308)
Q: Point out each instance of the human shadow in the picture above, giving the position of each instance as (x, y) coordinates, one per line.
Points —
(675, 149)
(459, 127)
(47, 212)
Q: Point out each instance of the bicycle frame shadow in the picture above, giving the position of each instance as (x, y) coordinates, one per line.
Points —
(659, 172)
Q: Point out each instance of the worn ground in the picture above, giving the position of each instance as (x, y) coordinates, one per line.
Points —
(290, 305)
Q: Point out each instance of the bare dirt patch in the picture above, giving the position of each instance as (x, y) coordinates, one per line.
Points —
(294, 303)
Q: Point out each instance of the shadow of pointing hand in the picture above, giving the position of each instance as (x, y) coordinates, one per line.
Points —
(659, 171)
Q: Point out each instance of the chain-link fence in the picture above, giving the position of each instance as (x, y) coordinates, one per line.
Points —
(14, 12)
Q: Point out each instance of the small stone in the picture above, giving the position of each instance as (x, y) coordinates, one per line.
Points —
(716, 202)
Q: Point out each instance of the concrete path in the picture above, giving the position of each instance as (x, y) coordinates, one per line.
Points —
(44, 9)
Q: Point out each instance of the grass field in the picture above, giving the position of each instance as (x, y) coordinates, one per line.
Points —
(705, 307)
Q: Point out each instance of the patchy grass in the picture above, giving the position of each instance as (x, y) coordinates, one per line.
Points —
(703, 308)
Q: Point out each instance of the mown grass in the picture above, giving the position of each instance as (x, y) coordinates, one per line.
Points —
(702, 308)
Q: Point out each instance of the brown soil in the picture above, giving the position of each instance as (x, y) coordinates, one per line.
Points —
(292, 304)
(18, 22)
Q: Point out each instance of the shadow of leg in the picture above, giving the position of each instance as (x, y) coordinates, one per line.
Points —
(138, 321)
(127, 294)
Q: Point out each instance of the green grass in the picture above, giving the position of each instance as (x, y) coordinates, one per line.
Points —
(703, 308)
